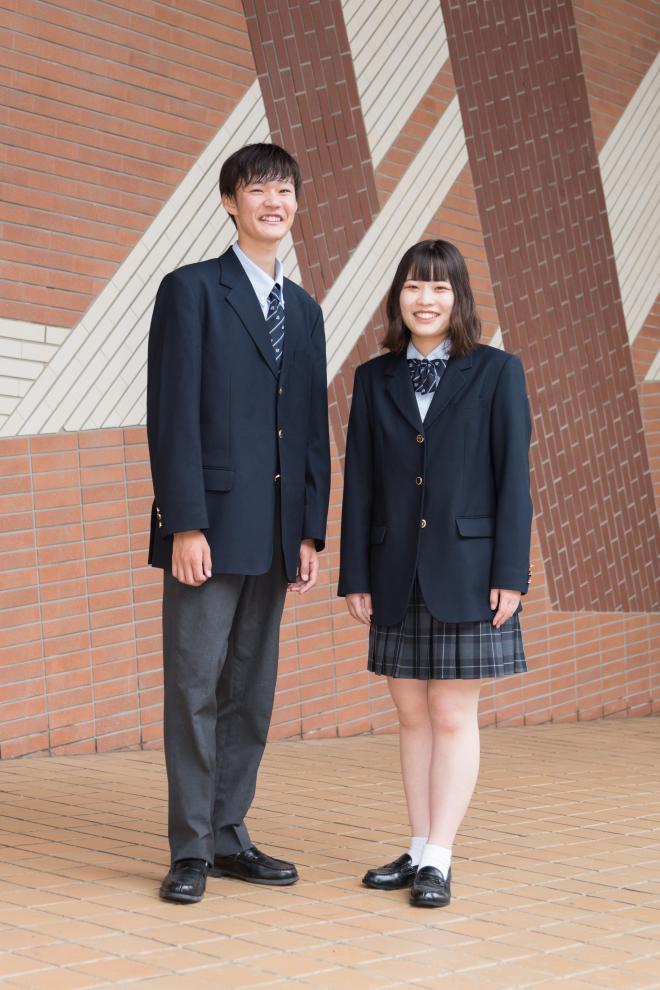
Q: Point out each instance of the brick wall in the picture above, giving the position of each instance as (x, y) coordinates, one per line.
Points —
(541, 201)
(106, 108)
(398, 144)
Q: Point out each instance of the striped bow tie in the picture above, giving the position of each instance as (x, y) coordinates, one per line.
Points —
(426, 374)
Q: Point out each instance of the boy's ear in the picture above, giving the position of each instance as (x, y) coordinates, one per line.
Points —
(229, 204)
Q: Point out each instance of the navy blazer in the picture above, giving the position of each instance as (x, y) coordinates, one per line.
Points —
(222, 424)
(447, 499)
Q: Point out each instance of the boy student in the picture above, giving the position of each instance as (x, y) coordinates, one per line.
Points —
(238, 440)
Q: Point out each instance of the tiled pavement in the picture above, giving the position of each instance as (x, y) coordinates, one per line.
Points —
(557, 872)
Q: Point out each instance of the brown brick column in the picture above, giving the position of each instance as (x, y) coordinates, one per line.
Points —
(531, 148)
(307, 79)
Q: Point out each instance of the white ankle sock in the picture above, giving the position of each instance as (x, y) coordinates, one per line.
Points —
(417, 843)
(436, 856)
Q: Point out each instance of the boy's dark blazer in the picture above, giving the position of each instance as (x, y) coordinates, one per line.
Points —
(449, 498)
(222, 424)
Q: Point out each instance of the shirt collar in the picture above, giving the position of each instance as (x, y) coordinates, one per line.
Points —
(261, 281)
(441, 351)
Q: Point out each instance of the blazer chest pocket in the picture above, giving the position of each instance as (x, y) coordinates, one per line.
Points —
(218, 479)
(377, 534)
(475, 526)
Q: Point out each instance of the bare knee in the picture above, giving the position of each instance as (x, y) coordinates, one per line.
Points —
(453, 711)
(448, 719)
(411, 703)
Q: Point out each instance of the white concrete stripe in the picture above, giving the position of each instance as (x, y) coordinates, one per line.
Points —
(398, 47)
(653, 374)
(630, 166)
(25, 350)
(97, 373)
(359, 288)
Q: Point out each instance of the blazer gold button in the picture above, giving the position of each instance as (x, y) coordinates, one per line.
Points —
(420, 438)
(422, 524)
(418, 480)
(160, 525)
(277, 477)
(280, 434)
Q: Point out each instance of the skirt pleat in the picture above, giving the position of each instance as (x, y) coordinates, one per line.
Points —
(424, 648)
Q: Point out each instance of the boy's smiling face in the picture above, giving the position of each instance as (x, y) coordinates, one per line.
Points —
(263, 211)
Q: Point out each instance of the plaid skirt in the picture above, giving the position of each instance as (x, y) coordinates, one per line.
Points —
(424, 648)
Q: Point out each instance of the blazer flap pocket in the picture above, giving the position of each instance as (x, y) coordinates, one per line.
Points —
(377, 534)
(218, 479)
(476, 525)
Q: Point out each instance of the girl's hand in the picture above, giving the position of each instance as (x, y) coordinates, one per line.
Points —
(506, 603)
(360, 608)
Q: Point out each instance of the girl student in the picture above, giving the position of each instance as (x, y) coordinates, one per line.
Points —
(435, 541)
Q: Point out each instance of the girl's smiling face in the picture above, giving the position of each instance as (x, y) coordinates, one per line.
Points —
(426, 310)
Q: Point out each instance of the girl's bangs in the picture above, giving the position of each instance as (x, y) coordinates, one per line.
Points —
(427, 266)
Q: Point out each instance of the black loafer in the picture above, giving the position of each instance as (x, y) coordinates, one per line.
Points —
(255, 867)
(430, 889)
(392, 876)
(186, 881)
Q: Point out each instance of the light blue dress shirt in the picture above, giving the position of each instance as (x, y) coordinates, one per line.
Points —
(441, 351)
(260, 280)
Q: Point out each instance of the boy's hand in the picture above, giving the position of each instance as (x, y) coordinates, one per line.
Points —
(191, 558)
(308, 568)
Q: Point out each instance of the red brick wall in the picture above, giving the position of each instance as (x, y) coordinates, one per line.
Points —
(308, 84)
(80, 649)
(542, 207)
(618, 42)
(106, 108)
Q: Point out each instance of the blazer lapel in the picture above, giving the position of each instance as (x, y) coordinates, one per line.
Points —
(293, 328)
(401, 390)
(453, 380)
(242, 298)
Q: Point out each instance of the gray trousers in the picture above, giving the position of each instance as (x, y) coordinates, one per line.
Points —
(220, 651)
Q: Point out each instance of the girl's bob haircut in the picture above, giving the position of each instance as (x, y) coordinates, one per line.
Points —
(434, 261)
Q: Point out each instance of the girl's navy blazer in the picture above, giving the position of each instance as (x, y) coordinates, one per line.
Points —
(448, 498)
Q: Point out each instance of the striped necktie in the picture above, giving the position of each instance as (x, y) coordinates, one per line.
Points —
(426, 374)
(275, 321)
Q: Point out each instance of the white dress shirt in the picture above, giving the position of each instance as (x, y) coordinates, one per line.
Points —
(441, 351)
(260, 280)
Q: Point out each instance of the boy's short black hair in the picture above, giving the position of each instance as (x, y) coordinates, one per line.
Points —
(258, 163)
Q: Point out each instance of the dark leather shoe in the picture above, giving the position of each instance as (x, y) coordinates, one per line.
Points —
(430, 889)
(186, 881)
(392, 876)
(255, 867)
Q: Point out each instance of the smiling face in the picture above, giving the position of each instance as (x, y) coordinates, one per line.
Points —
(426, 310)
(263, 211)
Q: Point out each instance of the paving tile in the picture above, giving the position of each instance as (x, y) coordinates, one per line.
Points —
(618, 978)
(555, 873)
(60, 979)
